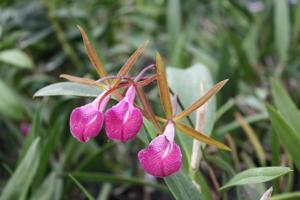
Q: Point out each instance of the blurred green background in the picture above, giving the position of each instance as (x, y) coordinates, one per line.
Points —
(247, 41)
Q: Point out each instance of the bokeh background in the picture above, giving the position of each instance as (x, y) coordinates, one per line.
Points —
(251, 42)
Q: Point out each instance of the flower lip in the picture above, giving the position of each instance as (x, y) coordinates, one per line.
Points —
(123, 121)
(163, 156)
(86, 121)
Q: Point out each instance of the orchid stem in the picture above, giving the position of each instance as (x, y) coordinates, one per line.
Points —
(182, 108)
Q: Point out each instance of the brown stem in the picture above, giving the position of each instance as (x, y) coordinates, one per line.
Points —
(147, 109)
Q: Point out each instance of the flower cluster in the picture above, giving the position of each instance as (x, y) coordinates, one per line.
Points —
(122, 122)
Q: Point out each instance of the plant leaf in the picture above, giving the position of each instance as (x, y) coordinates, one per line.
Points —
(285, 105)
(130, 62)
(67, 88)
(51, 189)
(252, 137)
(163, 87)
(92, 54)
(286, 196)
(17, 58)
(201, 101)
(19, 183)
(103, 177)
(199, 136)
(282, 28)
(11, 105)
(87, 194)
(256, 175)
(182, 187)
(288, 137)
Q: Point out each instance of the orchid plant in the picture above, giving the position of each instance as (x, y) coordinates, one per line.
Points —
(123, 121)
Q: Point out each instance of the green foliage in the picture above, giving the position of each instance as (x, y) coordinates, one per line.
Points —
(256, 175)
(17, 58)
(18, 185)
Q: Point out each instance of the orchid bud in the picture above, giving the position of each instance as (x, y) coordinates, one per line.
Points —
(86, 121)
(123, 121)
(163, 156)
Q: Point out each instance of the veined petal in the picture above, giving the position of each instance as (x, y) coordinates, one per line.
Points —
(123, 121)
(163, 156)
(86, 122)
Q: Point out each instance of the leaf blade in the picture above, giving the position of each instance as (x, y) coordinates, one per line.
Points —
(17, 58)
(19, 183)
(67, 88)
(256, 175)
(288, 137)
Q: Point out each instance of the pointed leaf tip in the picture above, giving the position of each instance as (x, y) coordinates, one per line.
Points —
(92, 54)
(163, 87)
(130, 62)
(200, 136)
(215, 89)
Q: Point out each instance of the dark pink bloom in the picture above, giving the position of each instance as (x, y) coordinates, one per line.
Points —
(86, 121)
(123, 121)
(25, 128)
(163, 156)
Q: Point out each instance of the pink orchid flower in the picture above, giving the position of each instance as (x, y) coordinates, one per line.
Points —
(123, 121)
(86, 121)
(163, 156)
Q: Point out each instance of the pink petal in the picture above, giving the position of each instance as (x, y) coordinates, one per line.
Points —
(161, 158)
(123, 121)
(86, 122)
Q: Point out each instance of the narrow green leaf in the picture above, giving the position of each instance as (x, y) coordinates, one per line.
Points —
(252, 138)
(87, 194)
(288, 137)
(35, 131)
(282, 28)
(11, 104)
(256, 175)
(51, 189)
(67, 88)
(47, 149)
(287, 196)
(173, 23)
(19, 183)
(16, 57)
(103, 177)
(182, 187)
(285, 105)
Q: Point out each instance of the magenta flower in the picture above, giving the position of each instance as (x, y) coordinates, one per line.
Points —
(123, 121)
(163, 156)
(25, 128)
(86, 121)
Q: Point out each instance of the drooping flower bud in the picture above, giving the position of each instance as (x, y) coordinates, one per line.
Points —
(163, 156)
(86, 121)
(123, 121)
